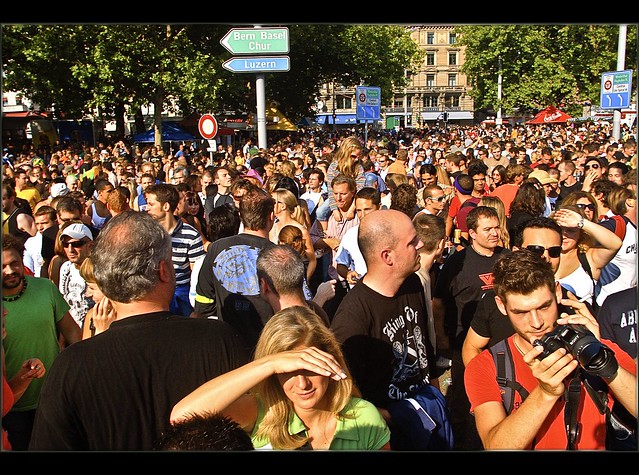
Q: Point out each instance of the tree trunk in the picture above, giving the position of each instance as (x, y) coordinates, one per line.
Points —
(119, 121)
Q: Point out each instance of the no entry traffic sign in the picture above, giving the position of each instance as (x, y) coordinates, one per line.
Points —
(207, 126)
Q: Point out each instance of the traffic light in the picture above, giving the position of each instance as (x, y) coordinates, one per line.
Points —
(445, 116)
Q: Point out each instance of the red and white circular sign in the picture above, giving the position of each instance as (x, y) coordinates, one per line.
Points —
(207, 125)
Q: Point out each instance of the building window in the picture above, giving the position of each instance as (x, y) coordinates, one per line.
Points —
(452, 58)
(430, 58)
(452, 38)
(430, 80)
(430, 38)
(430, 101)
(398, 103)
(452, 79)
(344, 102)
(454, 101)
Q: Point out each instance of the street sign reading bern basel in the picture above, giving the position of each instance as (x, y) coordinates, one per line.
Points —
(256, 40)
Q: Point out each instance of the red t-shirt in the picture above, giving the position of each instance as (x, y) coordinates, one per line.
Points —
(481, 387)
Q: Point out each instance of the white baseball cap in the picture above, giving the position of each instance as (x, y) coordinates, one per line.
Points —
(59, 189)
(77, 231)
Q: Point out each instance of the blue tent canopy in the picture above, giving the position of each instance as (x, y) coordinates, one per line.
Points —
(171, 132)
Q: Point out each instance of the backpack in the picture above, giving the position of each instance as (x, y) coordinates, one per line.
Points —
(620, 434)
(503, 359)
(468, 203)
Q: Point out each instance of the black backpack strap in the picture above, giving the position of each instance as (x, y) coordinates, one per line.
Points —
(573, 427)
(505, 367)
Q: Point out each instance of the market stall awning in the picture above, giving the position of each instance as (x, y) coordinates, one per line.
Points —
(550, 115)
(275, 120)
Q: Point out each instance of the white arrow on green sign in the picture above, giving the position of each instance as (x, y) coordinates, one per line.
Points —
(256, 40)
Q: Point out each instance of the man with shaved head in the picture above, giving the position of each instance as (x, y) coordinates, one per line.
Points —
(381, 323)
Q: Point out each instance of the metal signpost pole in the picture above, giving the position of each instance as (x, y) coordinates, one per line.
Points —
(260, 95)
(621, 53)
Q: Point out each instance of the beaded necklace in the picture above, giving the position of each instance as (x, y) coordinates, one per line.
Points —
(12, 298)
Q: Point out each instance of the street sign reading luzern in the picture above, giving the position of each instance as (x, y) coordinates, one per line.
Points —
(256, 40)
(258, 64)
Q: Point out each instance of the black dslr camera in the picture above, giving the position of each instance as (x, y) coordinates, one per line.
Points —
(593, 356)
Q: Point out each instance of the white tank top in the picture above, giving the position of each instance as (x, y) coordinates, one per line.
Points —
(579, 283)
(621, 272)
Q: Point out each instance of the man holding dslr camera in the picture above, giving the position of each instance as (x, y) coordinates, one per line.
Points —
(527, 293)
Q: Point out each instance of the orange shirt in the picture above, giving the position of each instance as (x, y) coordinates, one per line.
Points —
(506, 193)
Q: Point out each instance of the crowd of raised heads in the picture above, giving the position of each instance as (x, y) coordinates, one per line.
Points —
(272, 243)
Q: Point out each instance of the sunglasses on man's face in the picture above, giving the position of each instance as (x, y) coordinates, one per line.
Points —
(439, 198)
(554, 251)
(594, 166)
(73, 244)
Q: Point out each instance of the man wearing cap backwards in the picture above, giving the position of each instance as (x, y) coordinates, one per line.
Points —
(77, 240)
(36, 313)
(546, 181)
(58, 189)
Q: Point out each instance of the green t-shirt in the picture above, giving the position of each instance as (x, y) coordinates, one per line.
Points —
(31, 333)
(363, 429)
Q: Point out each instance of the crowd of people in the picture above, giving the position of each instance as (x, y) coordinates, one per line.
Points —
(332, 291)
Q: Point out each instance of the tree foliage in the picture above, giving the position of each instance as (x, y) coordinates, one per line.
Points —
(542, 65)
(79, 68)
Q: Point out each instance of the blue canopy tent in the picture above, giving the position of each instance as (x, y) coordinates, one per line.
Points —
(171, 132)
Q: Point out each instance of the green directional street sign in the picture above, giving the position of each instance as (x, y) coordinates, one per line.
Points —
(256, 41)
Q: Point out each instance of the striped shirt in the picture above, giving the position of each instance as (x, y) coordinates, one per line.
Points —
(187, 248)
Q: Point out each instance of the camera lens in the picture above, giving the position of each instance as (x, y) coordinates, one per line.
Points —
(588, 352)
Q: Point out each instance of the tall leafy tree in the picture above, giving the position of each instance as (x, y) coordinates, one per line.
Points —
(541, 65)
(117, 67)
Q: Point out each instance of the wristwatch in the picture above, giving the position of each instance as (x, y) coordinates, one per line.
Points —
(580, 224)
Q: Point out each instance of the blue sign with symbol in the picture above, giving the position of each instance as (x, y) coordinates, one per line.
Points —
(368, 103)
(615, 89)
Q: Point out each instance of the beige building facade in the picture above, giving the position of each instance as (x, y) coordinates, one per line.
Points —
(436, 87)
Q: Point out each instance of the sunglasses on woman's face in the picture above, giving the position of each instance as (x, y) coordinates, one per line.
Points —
(588, 206)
